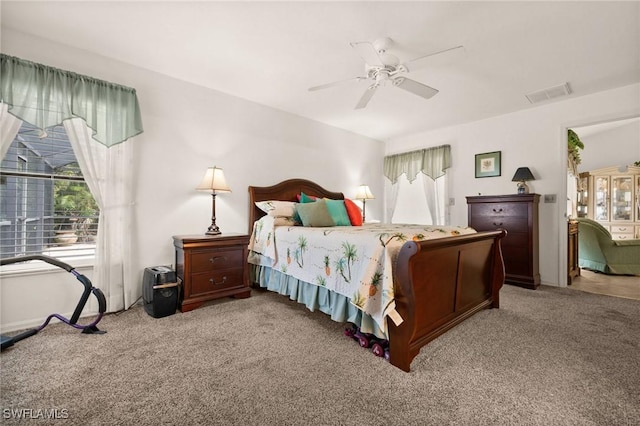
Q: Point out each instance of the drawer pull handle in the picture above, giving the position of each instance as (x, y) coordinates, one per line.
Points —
(497, 224)
(215, 259)
(497, 210)
(212, 281)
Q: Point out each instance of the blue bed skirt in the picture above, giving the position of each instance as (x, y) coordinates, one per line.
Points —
(314, 297)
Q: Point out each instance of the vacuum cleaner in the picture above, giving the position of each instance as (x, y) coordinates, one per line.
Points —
(91, 328)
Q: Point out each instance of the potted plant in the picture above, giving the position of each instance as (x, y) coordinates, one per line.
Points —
(574, 145)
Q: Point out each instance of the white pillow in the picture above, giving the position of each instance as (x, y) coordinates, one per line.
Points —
(278, 209)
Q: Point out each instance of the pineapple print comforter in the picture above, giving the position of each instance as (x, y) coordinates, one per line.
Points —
(355, 261)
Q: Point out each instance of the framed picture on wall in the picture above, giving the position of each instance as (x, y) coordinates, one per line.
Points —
(488, 164)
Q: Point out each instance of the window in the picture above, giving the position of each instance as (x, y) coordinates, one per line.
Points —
(45, 205)
(428, 166)
(412, 206)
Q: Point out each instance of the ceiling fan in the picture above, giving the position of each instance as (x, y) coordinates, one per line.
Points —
(382, 67)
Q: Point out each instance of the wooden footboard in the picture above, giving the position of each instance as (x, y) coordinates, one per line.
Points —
(440, 283)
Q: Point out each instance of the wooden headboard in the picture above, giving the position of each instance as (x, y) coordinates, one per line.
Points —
(285, 191)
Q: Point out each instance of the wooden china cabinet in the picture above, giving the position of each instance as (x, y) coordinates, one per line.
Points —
(614, 200)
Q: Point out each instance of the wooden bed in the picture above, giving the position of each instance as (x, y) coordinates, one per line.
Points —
(438, 283)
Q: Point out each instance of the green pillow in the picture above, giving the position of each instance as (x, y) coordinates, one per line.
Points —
(315, 214)
(304, 198)
(338, 212)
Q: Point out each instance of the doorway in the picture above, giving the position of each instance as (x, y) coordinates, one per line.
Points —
(612, 143)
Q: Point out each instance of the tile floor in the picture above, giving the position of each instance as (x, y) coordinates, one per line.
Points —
(611, 285)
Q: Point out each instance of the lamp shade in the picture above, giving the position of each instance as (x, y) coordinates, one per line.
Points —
(214, 181)
(523, 174)
(364, 193)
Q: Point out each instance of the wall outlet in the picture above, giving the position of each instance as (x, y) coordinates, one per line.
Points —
(452, 201)
(549, 198)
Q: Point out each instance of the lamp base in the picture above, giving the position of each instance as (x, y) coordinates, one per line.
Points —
(213, 230)
(523, 188)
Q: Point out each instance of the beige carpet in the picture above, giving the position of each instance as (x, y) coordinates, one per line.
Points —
(547, 357)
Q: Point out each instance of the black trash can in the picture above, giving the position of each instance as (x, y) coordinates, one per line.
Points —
(160, 291)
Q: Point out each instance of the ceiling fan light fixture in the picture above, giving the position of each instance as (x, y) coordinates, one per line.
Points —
(381, 67)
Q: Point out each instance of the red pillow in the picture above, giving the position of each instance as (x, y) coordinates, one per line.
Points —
(354, 212)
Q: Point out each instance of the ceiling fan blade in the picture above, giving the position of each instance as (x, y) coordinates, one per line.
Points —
(368, 52)
(426, 60)
(366, 96)
(335, 83)
(414, 87)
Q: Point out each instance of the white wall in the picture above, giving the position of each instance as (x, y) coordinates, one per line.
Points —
(187, 129)
(535, 138)
(616, 147)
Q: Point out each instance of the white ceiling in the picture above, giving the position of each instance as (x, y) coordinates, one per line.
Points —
(271, 53)
(587, 131)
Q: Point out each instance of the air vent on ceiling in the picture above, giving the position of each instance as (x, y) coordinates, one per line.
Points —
(549, 93)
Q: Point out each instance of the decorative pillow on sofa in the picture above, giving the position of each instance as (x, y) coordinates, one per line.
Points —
(354, 212)
(315, 214)
(338, 212)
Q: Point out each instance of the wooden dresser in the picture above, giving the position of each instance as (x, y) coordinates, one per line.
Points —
(518, 215)
(211, 267)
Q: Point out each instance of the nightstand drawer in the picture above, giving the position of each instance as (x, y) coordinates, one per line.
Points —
(214, 281)
(499, 209)
(208, 260)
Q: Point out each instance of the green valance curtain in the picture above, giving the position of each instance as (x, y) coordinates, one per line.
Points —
(433, 162)
(46, 96)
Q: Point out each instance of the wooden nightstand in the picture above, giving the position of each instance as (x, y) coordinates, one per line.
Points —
(211, 267)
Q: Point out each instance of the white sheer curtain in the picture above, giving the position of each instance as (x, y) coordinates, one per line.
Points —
(107, 171)
(436, 196)
(9, 126)
(432, 165)
(391, 191)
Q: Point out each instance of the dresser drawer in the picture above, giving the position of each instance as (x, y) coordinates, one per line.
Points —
(515, 239)
(215, 281)
(499, 209)
(510, 223)
(208, 260)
